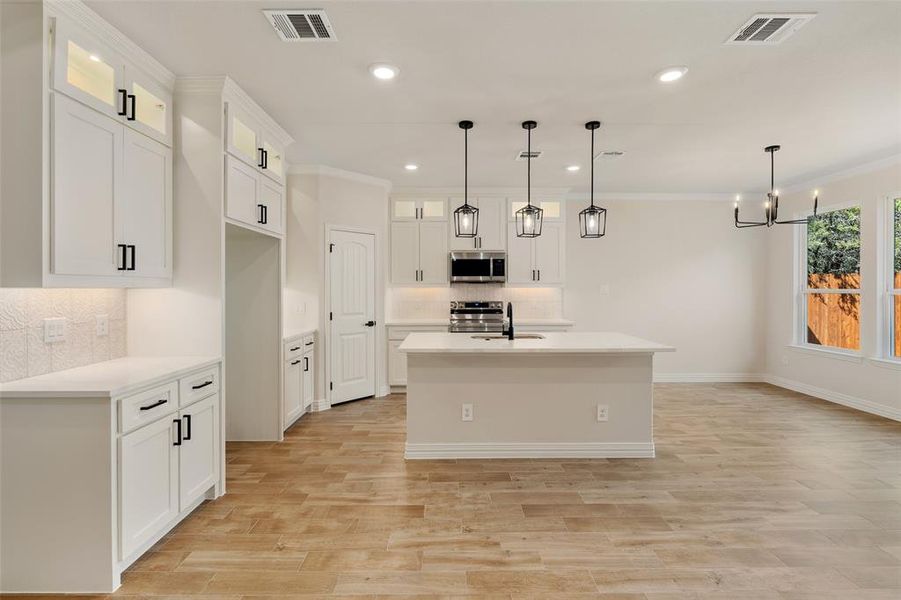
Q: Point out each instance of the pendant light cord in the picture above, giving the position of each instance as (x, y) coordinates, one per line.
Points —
(466, 167)
(591, 158)
(529, 167)
(772, 172)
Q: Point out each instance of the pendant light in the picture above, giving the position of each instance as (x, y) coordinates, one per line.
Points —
(528, 218)
(771, 206)
(466, 218)
(593, 220)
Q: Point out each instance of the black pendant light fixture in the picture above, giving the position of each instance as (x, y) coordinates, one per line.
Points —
(466, 218)
(771, 206)
(528, 218)
(593, 220)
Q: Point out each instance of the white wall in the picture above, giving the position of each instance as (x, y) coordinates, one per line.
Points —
(862, 382)
(676, 272)
(323, 198)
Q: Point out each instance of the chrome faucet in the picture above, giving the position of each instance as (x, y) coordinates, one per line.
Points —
(509, 321)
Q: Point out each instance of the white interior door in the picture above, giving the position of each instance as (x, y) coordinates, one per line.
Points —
(86, 180)
(352, 306)
(146, 206)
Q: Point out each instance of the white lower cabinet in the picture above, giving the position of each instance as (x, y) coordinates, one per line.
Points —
(300, 354)
(397, 360)
(197, 468)
(148, 483)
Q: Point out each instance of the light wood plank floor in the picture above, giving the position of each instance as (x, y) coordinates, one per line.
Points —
(756, 493)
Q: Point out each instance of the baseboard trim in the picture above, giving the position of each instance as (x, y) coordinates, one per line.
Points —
(320, 405)
(708, 378)
(836, 397)
(529, 450)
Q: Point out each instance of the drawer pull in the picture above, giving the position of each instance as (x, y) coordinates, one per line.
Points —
(294, 348)
(159, 402)
(308, 344)
(187, 419)
(202, 385)
(295, 362)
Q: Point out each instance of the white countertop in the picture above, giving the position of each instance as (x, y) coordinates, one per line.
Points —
(444, 322)
(106, 379)
(585, 342)
(289, 336)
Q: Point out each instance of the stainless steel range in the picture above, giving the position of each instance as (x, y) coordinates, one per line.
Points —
(477, 317)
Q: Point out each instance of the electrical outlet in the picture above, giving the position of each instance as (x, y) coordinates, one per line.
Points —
(603, 413)
(784, 360)
(102, 325)
(467, 412)
(605, 289)
(54, 330)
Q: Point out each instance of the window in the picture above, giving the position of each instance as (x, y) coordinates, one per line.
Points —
(830, 294)
(893, 299)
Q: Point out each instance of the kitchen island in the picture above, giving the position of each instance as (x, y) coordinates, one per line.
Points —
(556, 395)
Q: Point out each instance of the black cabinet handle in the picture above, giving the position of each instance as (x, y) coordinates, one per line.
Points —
(294, 362)
(202, 385)
(124, 249)
(539, 274)
(306, 364)
(261, 151)
(265, 215)
(308, 344)
(159, 402)
(294, 348)
(369, 324)
(124, 97)
(187, 419)
(265, 159)
(260, 216)
(131, 264)
(177, 441)
(131, 101)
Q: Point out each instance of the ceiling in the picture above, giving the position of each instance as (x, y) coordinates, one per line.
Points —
(830, 95)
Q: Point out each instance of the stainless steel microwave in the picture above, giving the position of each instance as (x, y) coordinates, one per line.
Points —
(475, 266)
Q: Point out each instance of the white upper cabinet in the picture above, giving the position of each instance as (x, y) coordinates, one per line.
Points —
(419, 252)
(146, 206)
(241, 182)
(433, 253)
(404, 252)
(86, 182)
(492, 233)
(242, 136)
(536, 261)
(406, 209)
(273, 161)
(271, 203)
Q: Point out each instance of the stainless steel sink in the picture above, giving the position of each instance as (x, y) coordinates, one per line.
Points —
(520, 336)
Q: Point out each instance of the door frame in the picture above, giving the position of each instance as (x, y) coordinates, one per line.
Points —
(327, 304)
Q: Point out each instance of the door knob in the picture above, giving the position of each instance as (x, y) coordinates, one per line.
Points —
(369, 323)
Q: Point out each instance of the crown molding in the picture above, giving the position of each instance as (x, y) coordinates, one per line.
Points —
(200, 84)
(505, 192)
(79, 13)
(326, 171)
(861, 168)
(654, 197)
(236, 93)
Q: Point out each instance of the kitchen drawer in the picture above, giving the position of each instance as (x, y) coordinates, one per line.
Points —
(198, 385)
(147, 406)
(297, 347)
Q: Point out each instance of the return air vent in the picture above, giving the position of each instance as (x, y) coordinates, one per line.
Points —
(524, 154)
(769, 28)
(301, 25)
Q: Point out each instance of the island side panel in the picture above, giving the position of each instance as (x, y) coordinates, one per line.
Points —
(529, 405)
(57, 492)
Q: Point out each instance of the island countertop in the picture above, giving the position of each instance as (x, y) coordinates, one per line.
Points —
(583, 342)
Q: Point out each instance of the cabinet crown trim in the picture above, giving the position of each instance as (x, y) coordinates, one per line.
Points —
(78, 12)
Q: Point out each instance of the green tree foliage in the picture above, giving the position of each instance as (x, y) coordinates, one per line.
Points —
(833, 242)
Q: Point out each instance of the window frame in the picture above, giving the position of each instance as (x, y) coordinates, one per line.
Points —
(802, 290)
(887, 290)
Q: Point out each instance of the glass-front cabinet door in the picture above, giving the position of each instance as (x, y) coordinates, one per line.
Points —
(149, 106)
(407, 209)
(86, 70)
(553, 209)
(241, 136)
(273, 161)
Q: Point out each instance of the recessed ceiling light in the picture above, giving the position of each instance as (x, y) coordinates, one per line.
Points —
(94, 57)
(671, 74)
(383, 71)
(411, 167)
(573, 168)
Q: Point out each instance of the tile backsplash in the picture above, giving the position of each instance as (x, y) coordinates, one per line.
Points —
(432, 303)
(23, 352)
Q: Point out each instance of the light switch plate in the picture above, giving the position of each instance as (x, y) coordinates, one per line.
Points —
(603, 413)
(54, 330)
(467, 412)
(102, 325)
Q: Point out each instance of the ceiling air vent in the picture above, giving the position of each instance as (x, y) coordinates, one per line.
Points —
(524, 154)
(301, 25)
(769, 28)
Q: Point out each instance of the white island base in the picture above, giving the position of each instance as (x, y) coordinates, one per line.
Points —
(529, 398)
